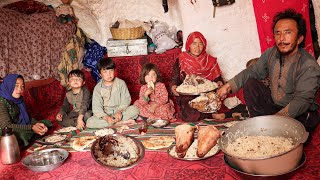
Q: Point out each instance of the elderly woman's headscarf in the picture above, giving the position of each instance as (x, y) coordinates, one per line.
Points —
(6, 90)
(204, 65)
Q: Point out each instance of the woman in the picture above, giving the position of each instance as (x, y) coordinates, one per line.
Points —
(13, 112)
(195, 60)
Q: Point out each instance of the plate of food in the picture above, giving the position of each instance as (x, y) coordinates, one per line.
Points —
(81, 143)
(194, 85)
(206, 103)
(189, 148)
(158, 123)
(52, 139)
(66, 129)
(191, 154)
(158, 142)
(104, 132)
(117, 152)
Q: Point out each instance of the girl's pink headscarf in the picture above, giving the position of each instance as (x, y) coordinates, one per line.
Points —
(204, 65)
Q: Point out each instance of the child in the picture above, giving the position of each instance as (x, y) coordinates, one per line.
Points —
(111, 99)
(153, 100)
(13, 112)
(79, 97)
(65, 12)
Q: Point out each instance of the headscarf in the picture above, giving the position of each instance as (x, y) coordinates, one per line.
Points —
(204, 65)
(6, 90)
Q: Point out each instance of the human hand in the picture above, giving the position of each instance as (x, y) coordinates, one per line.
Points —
(174, 90)
(59, 117)
(220, 83)
(39, 128)
(153, 108)
(223, 91)
(118, 115)
(110, 120)
(80, 123)
(148, 92)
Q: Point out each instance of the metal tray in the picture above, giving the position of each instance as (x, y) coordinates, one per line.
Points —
(137, 142)
(27, 161)
(189, 94)
(114, 131)
(65, 132)
(301, 163)
(43, 140)
(153, 122)
(214, 150)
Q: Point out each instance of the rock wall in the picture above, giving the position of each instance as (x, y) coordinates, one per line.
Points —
(232, 34)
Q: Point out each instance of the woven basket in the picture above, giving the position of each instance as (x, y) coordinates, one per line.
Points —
(127, 33)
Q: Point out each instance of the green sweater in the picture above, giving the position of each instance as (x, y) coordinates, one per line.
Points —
(293, 84)
(9, 116)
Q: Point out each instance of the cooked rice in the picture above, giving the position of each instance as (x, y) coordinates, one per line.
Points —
(259, 146)
(192, 151)
(126, 145)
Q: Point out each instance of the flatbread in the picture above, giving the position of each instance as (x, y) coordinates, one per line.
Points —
(55, 138)
(158, 142)
(81, 143)
(151, 84)
(67, 129)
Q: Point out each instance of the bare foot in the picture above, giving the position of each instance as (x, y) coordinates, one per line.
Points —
(220, 116)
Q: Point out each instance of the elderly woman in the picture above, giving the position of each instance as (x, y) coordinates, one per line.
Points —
(195, 60)
(13, 112)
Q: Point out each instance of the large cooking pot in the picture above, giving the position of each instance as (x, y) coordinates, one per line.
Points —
(270, 125)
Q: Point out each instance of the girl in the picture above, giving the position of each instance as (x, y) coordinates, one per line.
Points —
(13, 112)
(153, 101)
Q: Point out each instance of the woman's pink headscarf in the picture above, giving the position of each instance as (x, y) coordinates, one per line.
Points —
(204, 65)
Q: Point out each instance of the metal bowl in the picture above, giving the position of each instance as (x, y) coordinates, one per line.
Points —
(29, 163)
(267, 126)
(301, 163)
(140, 153)
(158, 123)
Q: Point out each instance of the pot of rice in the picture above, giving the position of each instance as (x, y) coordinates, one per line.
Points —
(265, 145)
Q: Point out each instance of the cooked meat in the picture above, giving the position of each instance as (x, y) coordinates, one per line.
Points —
(184, 138)
(207, 139)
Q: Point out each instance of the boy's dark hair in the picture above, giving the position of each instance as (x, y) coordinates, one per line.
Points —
(76, 73)
(106, 63)
(292, 14)
(146, 69)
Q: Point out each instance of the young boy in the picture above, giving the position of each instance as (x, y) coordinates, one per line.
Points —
(79, 97)
(111, 99)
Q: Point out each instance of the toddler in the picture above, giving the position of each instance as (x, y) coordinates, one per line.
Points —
(153, 99)
(111, 99)
(79, 97)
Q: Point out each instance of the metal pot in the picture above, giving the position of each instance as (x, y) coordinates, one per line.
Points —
(270, 125)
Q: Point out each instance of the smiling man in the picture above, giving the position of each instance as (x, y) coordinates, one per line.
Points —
(294, 75)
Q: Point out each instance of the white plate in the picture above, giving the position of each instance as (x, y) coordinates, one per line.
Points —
(192, 156)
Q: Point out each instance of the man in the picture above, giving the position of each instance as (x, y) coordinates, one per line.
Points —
(294, 75)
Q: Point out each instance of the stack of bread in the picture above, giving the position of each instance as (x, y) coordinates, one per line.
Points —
(207, 103)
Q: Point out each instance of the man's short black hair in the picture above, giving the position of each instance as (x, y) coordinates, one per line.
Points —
(106, 63)
(292, 14)
(76, 73)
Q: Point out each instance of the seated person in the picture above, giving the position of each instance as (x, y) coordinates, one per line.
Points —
(294, 75)
(153, 99)
(111, 99)
(195, 60)
(79, 97)
(13, 112)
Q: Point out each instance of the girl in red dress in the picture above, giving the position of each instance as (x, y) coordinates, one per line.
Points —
(153, 99)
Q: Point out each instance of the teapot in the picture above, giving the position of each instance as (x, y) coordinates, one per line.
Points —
(9, 147)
